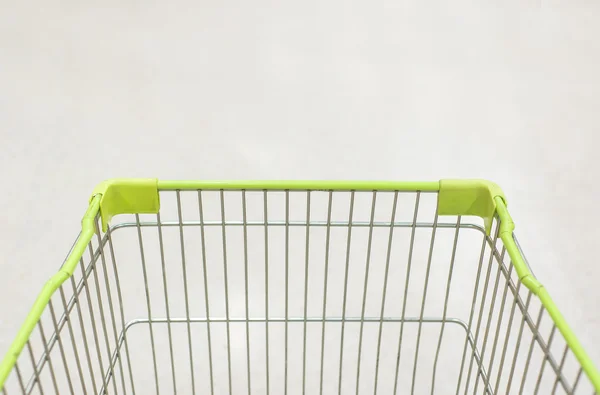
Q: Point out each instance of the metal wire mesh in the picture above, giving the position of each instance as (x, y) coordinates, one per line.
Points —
(296, 292)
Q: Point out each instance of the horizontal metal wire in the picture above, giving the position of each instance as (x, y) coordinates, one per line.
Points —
(335, 224)
(303, 320)
(299, 319)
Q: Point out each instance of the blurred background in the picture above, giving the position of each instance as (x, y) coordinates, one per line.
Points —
(507, 91)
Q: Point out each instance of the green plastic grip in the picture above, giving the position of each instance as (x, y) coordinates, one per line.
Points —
(127, 196)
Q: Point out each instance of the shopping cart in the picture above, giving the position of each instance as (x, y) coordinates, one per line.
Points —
(288, 287)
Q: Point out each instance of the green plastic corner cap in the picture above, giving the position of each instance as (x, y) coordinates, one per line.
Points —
(127, 196)
(470, 197)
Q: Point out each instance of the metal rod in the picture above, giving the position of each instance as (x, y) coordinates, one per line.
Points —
(542, 368)
(244, 216)
(19, 377)
(526, 369)
(266, 229)
(345, 297)
(185, 291)
(36, 373)
(48, 357)
(166, 295)
(226, 283)
(314, 320)
(325, 277)
(60, 347)
(206, 300)
(104, 388)
(110, 303)
(384, 292)
(506, 338)
(491, 313)
(472, 313)
(577, 378)
(301, 224)
(298, 320)
(448, 284)
(427, 271)
(83, 333)
(562, 362)
(481, 309)
(306, 291)
(149, 309)
(365, 288)
(499, 324)
(121, 309)
(514, 361)
(287, 289)
(408, 267)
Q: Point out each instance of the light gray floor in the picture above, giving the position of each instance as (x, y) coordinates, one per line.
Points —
(325, 90)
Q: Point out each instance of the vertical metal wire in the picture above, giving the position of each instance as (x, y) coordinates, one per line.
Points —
(531, 346)
(121, 309)
(83, 333)
(429, 259)
(60, 345)
(91, 311)
(111, 372)
(47, 355)
(577, 378)
(111, 308)
(448, 284)
(305, 291)
(245, 222)
(185, 291)
(507, 337)
(166, 294)
(143, 260)
(327, 236)
(266, 218)
(490, 315)
(19, 377)
(471, 315)
(71, 336)
(499, 324)
(560, 367)
(385, 283)
(480, 316)
(348, 243)
(408, 267)
(542, 368)
(365, 288)
(517, 347)
(226, 282)
(206, 300)
(287, 265)
(36, 374)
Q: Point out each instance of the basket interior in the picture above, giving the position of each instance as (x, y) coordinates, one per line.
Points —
(296, 292)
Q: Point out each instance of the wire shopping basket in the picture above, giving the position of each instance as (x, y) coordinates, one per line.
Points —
(288, 287)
